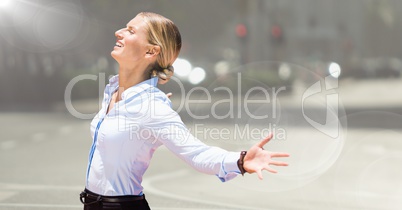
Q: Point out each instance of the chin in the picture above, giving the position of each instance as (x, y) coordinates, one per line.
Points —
(113, 54)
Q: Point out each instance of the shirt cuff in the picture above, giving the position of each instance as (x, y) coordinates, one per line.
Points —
(230, 163)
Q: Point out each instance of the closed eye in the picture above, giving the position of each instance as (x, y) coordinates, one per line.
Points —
(130, 30)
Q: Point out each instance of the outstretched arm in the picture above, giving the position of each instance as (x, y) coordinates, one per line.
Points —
(257, 159)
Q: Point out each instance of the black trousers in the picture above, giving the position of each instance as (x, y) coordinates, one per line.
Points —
(92, 203)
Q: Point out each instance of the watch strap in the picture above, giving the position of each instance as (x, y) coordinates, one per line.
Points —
(240, 162)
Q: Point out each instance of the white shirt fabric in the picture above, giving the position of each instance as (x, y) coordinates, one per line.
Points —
(125, 139)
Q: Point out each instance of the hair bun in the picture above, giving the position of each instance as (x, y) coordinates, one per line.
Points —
(165, 74)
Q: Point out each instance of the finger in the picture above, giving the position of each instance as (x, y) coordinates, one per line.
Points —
(279, 154)
(169, 95)
(278, 163)
(270, 169)
(264, 141)
(259, 173)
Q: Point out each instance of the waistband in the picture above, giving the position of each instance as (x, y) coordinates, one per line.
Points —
(108, 199)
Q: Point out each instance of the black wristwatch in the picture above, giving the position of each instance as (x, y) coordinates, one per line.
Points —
(240, 162)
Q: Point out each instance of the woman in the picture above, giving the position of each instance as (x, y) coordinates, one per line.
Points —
(136, 118)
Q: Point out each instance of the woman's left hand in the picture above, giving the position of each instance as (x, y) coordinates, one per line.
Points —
(257, 159)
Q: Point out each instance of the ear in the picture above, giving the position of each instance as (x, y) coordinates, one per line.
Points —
(153, 51)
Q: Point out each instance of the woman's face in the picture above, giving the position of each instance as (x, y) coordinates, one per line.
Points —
(131, 44)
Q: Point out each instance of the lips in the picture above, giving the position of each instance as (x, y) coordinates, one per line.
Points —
(119, 44)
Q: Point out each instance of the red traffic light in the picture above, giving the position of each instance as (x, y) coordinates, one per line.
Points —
(276, 31)
(241, 30)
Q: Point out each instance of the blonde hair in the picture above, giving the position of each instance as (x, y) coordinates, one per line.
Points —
(165, 34)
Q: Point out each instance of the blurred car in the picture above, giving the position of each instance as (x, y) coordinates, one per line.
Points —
(381, 67)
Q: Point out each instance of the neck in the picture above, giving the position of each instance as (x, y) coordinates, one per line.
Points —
(129, 77)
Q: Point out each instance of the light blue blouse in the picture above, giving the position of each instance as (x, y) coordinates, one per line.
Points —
(125, 139)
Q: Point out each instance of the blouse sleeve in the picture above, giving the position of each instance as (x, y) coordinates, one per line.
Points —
(167, 127)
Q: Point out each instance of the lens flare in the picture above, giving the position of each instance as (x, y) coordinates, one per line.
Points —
(4, 3)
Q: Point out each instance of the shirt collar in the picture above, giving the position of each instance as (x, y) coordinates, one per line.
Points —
(114, 84)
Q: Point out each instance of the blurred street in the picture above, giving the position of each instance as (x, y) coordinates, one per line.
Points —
(43, 157)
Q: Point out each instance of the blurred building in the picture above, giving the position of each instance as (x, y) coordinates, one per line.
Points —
(343, 31)
(44, 44)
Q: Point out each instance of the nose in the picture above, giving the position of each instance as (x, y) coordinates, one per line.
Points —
(118, 34)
